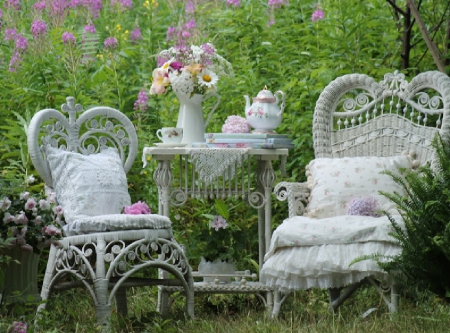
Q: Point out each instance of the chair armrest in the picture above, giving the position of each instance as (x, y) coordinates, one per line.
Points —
(297, 195)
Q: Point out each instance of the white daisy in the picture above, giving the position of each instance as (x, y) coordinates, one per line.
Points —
(207, 78)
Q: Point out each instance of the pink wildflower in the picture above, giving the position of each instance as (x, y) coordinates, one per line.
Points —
(51, 230)
(10, 34)
(40, 5)
(141, 102)
(12, 4)
(18, 327)
(58, 210)
(68, 37)
(190, 8)
(277, 3)
(236, 3)
(136, 34)
(110, 43)
(5, 203)
(90, 28)
(24, 195)
(21, 43)
(317, 15)
(38, 28)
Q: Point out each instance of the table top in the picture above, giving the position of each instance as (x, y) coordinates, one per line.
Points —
(186, 150)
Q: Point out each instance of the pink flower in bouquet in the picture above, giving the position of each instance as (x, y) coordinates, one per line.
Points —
(137, 208)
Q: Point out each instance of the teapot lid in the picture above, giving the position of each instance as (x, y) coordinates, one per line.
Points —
(265, 96)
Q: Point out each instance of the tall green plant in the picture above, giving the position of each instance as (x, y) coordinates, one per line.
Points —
(425, 239)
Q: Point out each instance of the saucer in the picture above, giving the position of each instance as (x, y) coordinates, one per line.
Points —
(170, 145)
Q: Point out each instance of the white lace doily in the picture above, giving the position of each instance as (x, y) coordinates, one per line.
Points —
(210, 163)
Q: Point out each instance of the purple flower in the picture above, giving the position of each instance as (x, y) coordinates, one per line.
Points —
(141, 102)
(90, 28)
(68, 37)
(123, 3)
(21, 43)
(190, 25)
(40, 5)
(38, 28)
(110, 43)
(317, 15)
(208, 48)
(12, 4)
(277, 3)
(136, 34)
(171, 33)
(11, 34)
(137, 208)
(219, 222)
(190, 8)
(236, 3)
(364, 206)
(176, 65)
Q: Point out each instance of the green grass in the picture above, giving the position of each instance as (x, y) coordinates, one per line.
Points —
(307, 311)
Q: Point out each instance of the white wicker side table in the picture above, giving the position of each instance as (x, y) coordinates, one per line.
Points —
(254, 185)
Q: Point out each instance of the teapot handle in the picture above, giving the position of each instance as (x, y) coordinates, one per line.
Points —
(283, 100)
(207, 96)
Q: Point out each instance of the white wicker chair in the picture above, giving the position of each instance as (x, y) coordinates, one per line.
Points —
(354, 116)
(105, 262)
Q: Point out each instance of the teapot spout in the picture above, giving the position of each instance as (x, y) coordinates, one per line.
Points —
(247, 102)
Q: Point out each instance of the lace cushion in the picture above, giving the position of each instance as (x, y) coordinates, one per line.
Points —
(116, 222)
(334, 182)
(88, 185)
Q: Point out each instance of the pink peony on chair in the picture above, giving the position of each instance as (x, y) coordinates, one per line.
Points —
(360, 128)
(85, 161)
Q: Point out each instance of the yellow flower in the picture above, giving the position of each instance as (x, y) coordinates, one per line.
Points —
(149, 159)
(118, 27)
(146, 4)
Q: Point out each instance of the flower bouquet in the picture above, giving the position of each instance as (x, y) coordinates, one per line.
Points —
(189, 70)
(30, 222)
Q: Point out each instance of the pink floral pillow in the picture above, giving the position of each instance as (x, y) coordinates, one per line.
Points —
(334, 182)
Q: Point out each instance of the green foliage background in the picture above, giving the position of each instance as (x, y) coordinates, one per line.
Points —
(295, 55)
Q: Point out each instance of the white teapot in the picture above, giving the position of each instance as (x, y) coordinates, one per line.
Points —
(265, 114)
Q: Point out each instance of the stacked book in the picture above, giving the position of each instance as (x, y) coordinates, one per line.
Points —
(243, 140)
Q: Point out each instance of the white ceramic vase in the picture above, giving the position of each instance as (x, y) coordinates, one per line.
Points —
(215, 268)
(190, 116)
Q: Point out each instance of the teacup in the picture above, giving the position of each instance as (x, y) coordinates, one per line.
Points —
(170, 134)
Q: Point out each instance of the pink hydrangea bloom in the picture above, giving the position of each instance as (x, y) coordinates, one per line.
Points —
(137, 208)
(236, 124)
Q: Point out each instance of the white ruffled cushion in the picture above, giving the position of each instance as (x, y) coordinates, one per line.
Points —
(116, 222)
(324, 266)
(88, 185)
(316, 253)
(334, 182)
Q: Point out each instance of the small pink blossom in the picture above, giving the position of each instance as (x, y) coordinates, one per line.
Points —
(30, 204)
(58, 210)
(317, 15)
(24, 195)
(136, 34)
(44, 204)
(5, 203)
(38, 28)
(18, 327)
(8, 218)
(21, 218)
(137, 208)
(51, 230)
(68, 37)
(110, 43)
(219, 222)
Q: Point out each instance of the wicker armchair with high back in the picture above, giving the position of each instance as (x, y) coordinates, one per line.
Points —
(85, 161)
(360, 129)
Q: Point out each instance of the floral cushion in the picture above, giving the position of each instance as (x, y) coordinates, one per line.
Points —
(334, 182)
(88, 185)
